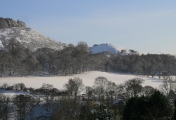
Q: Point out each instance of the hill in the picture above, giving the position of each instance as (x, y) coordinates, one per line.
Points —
(17, 30)
(108, 48)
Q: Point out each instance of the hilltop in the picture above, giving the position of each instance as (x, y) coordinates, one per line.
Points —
(17, 30)
(109, 48)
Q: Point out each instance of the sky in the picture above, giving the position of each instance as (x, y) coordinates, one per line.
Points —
(147, 26)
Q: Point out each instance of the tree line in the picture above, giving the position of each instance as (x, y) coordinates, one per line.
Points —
(150, 64)
(103, 101)
(16, 60)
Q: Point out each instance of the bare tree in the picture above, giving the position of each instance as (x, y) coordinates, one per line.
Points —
(168, 85)
(47, 86)
(131, 88)
(111, 88)
(89, 92)
(100, 86)
(74, 86)
(5, 86)
(22, 106)
(147, 91)
(134, 87)
(19, 86)
(4, 107)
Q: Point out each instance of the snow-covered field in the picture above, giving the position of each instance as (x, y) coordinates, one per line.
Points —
(88, 79)
(12, 93)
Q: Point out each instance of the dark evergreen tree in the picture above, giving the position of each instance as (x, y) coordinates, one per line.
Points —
(154, 107)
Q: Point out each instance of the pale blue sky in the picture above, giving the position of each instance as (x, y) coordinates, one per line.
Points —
(148, 26)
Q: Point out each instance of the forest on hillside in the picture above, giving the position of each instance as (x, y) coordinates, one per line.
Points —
(16, 60)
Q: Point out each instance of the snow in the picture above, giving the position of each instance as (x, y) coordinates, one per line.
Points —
(29, 38)
(13, 92)
(58, 82)
(1, 45)
(88, 79)
(111, 49)
(105, 48)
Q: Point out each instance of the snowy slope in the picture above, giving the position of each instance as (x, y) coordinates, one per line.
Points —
(27, 37)
(88, 79)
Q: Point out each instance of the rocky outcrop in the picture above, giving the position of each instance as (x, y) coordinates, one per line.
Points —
(9, 23)
(17, 30)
